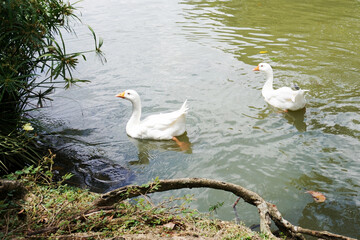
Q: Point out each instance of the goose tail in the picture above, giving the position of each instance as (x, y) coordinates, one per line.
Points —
(302, 91)
(299, 93)
(184, 108)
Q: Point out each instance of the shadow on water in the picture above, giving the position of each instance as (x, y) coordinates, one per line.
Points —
(86, 161)
(145, 147)
(92, 170)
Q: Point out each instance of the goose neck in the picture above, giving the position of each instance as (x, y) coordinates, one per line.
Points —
(136, 113)
(269, 80)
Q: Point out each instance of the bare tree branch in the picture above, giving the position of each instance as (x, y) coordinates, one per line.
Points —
(266, 210)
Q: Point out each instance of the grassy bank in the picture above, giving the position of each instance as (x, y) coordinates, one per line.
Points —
(55, 210)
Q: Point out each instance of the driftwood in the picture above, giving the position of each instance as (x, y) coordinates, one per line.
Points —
(266, 210)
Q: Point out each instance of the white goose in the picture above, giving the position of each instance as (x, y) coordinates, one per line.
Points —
(284, 98)
(163, 126)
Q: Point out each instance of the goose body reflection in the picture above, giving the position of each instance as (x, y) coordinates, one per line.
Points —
(297, 119)
(147, 149)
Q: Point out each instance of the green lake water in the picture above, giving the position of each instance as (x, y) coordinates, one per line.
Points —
(204, 51)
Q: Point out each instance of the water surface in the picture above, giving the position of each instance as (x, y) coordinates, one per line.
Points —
(204, 51)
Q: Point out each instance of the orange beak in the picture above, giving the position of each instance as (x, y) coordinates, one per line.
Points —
(122, 95)
(257, 68)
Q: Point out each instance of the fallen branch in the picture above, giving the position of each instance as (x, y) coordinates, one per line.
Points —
(266, 210)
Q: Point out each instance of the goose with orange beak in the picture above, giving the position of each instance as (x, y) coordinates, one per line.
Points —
(284, 98)
(163, 126)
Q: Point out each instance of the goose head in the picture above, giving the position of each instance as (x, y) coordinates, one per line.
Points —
(130, 95)
(263, 67)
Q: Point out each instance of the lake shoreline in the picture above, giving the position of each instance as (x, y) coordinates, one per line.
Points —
(64, 212)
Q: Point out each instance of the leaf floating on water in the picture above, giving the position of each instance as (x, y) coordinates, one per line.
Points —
(317, 196)
(263, 52)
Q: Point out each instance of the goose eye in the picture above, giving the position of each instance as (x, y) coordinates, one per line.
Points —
(128, 93)
(261, 65)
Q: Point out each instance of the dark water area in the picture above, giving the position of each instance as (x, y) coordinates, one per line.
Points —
(204, 51)
(91, 169)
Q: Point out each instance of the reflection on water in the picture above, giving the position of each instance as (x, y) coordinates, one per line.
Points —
(204, 51)
(289, 31)
(297, 119)
(147, 147)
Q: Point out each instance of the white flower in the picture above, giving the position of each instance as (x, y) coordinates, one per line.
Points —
(28, 127)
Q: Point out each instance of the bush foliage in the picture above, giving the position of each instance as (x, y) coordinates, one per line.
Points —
(31, 46)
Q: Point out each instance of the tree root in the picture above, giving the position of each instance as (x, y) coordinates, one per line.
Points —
(266, 210)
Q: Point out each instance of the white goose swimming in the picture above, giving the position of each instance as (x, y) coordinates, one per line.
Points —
(284, 98)
(163, 126)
